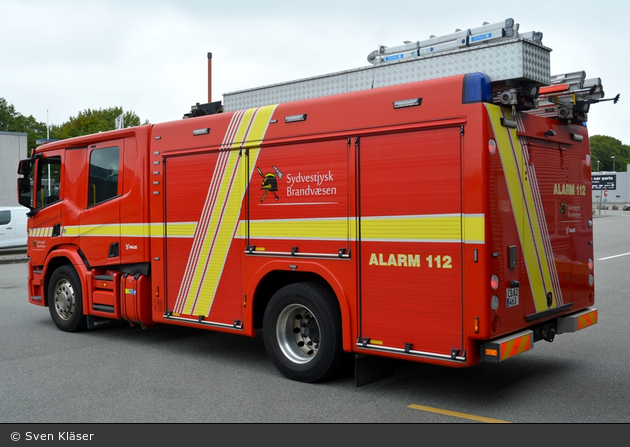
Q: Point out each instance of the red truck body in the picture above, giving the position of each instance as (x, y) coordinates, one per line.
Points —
(418, 221)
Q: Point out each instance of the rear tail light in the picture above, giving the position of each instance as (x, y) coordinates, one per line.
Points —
(492, 146)
(495, 324)
(494, 282)
(494, 302)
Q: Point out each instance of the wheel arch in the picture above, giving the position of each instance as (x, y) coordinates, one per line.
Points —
(275, 275)
(61, 257)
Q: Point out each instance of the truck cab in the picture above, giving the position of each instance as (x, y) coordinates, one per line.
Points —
(85, 199)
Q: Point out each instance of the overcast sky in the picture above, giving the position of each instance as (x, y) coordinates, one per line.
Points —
(60, 57)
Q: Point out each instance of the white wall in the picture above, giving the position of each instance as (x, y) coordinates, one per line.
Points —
(13, 148)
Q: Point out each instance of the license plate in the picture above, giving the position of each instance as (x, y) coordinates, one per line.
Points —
(512, 297)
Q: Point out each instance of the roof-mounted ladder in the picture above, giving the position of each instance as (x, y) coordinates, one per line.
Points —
(569, 96)
(458, 40)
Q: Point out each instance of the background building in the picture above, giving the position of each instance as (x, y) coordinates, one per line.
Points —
(617, 185)
(13, 148)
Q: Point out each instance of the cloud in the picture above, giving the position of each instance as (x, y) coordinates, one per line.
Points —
(150, 57)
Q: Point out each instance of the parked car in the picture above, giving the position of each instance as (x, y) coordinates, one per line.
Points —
(13, 230)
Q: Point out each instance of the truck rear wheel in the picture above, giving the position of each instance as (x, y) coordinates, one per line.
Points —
(302, 332)
(65, 300)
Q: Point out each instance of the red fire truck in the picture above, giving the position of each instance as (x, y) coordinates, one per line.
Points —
(445, 219)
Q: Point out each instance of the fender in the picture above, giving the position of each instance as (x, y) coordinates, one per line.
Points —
(311, 267)
(70, 253)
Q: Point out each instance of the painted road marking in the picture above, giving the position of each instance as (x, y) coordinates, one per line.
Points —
(615, 256)
(458, 415)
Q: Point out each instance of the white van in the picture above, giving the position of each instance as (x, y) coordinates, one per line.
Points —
(13, 230)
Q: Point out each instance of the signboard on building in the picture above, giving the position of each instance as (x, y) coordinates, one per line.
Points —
(605, 181)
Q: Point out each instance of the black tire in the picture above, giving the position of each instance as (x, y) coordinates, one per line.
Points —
(65, 300)
(302, 332)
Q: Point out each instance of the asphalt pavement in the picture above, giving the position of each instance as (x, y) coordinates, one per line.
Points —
(12, 255)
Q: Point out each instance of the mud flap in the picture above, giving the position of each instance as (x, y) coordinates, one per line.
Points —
(369, 369)
(97, 322)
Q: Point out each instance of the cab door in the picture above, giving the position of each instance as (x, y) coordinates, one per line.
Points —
(99, 223)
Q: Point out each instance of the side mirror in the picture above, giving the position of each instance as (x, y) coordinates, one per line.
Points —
(24, 192)
(25, 167)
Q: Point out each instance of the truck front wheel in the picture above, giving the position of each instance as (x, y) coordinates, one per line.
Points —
(65, 300)
(302, 332)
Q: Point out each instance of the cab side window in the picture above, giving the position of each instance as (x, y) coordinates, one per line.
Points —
(104, 165)
(48, 181)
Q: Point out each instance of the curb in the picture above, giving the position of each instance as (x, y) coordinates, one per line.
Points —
(13, 259)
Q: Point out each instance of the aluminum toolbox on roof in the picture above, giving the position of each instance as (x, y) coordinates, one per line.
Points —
(504, 60)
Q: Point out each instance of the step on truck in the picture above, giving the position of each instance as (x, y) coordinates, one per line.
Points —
(433, 206)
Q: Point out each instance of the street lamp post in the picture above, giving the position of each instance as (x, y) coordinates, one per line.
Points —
(613, 157)
(597, 165)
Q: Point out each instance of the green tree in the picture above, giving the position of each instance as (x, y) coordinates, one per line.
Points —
(603, 149)
(13, 121)
(85, 123)
(93, 121)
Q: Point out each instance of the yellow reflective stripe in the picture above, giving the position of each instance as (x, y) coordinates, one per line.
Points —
(433, 228)
(240, 139)
(225, 211)
(40, 232)
(207, 272)
(315, 229)
(156, 229)
(135, 230)
(112, 230)
(587, 320)
(413, 228)
(515, 346)
(181, 229)
(401, 228)
(474, 228)
(71, 231)
(523, 206)
(202, 227)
